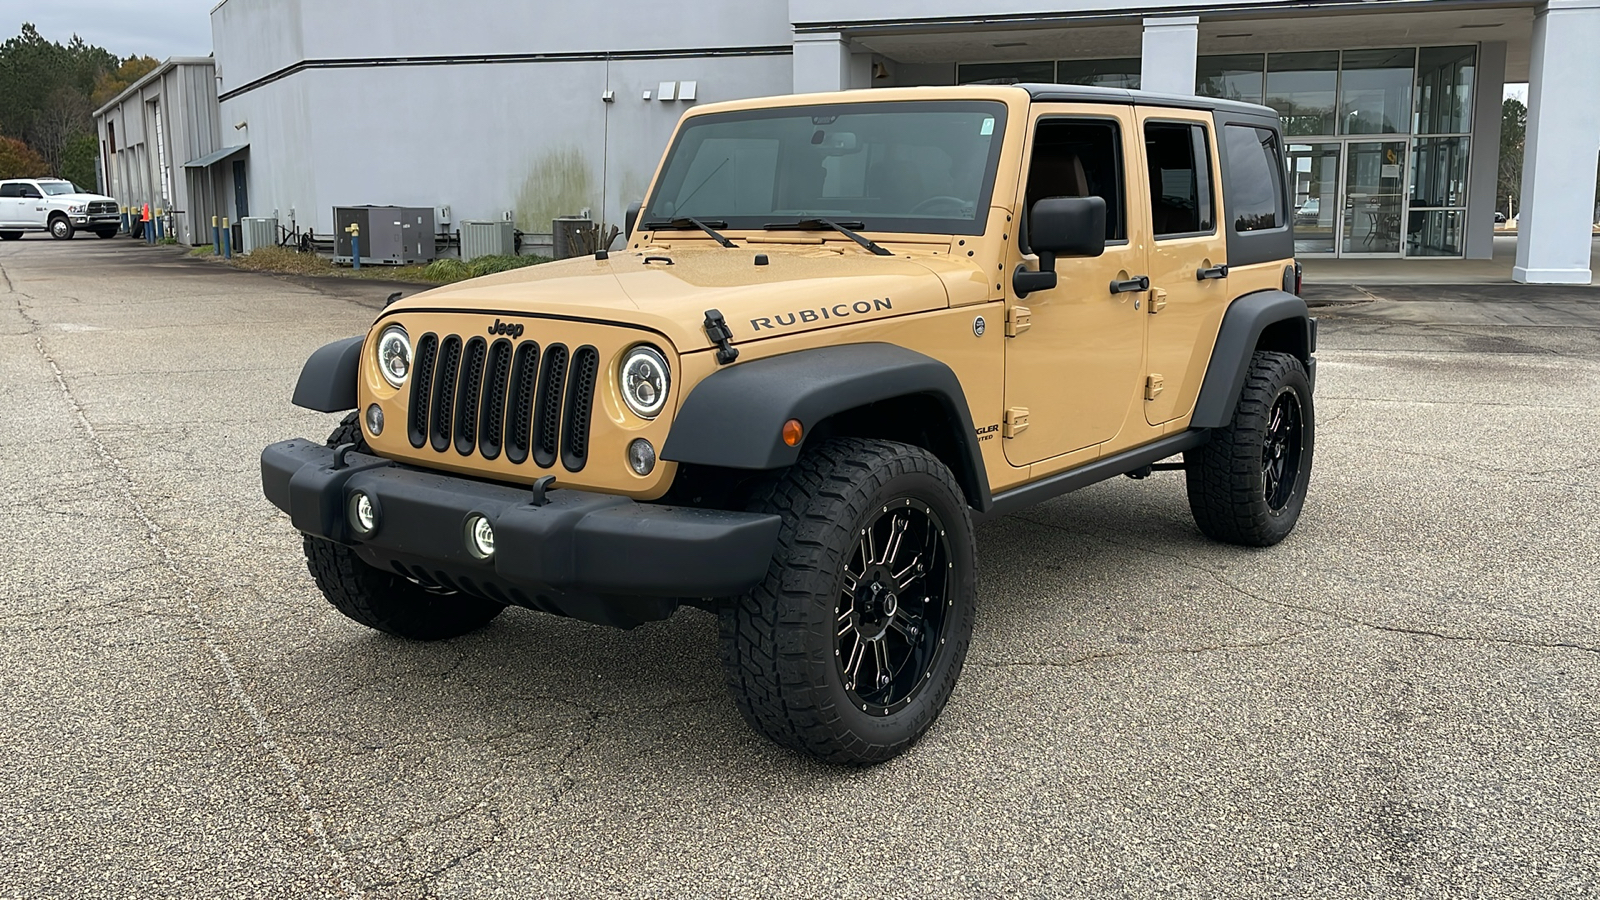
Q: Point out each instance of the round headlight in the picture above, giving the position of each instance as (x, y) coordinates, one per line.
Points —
(394, 355)
(645, 380)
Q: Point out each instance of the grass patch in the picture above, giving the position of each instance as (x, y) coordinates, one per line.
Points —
(284, 261)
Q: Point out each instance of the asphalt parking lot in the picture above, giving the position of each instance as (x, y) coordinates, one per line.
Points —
(1398, 701)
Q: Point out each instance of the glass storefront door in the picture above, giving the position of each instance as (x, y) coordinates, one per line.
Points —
(1314, 177)
(1374, 198)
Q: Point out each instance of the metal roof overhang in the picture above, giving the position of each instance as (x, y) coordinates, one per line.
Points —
(214, 157)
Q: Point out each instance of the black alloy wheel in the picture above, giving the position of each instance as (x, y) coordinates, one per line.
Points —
(1280, 456)
(892, 605)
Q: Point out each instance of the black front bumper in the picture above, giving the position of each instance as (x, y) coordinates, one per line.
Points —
(592, 556)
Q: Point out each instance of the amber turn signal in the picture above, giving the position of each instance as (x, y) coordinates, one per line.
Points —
(792, 432)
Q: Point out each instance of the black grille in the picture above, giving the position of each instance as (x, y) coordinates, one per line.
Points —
(580, 403)
(519, 418)
(547, 408)
(499, 398)
(444, 387)
(422, 388)
(467, 396)
(101, 207)
(491, 426)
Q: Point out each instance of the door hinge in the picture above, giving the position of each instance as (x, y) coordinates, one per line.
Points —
(1158, 300)
(1016, 421)
(1153, 386)
(1018, 320)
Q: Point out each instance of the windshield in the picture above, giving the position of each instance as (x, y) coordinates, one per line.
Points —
(917, 166)
(51, 188)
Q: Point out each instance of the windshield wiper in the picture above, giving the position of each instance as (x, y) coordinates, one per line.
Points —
(691, 222)
(841, 227)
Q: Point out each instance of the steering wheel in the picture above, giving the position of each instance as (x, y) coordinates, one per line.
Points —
(959, 204)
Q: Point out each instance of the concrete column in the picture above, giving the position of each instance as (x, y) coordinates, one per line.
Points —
(1558, 166)
(1171, 45)
(1488, 89)
(821, 62)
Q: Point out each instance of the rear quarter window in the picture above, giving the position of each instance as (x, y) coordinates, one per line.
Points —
(1254, 179)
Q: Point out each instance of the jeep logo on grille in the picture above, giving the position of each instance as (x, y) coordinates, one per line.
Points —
(514, 331)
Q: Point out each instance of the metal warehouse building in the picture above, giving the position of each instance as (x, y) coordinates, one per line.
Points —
(483, 109)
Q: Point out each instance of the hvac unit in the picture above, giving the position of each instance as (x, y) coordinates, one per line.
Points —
(257, 231)
(390, 235)
(488, 239)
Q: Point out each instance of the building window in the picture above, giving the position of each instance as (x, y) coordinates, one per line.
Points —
(111, 134)
(1180, 178)
(1375, 91)
(1236, 77)
(1035, 72)
(1111, 73)
(1444, 90)
(1255, 177)
(1302, 88)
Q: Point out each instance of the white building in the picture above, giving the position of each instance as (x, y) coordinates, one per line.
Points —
(150, 131)
(540, 110)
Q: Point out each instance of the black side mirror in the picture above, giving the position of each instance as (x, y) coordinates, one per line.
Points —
(1061, 226)
(631, 220)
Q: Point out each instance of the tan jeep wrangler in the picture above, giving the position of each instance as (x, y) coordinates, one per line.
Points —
(845, 327)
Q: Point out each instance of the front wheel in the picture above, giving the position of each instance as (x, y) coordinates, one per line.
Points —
(1247, 484)
(851, 646)
(385, 600)
(61, 229)
(106, 233)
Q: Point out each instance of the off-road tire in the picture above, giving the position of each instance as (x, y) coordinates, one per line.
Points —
(779, 641)
(10, 235)
(106, 233)
(61, 228)
(1227, 476)
(385, 600)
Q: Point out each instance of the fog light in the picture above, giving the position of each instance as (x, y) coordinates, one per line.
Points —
(641, 457)
(375, 419)
(363, 517)
(480, 536)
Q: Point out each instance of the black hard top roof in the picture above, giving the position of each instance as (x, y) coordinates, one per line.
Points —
(1075, 93)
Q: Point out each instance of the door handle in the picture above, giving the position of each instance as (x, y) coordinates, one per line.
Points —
(1138, 283)
(1211, 272)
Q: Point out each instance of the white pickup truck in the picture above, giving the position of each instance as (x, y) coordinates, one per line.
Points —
(56, 206)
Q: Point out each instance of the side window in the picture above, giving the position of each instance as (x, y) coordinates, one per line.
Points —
(10, 190)
(1180, 179)
(1080, 158)
(1255, 178)
(29, 191)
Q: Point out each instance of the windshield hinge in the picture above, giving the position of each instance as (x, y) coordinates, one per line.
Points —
(720, 334)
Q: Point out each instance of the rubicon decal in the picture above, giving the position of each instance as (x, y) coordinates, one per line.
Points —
(513, 330)
(836, 311)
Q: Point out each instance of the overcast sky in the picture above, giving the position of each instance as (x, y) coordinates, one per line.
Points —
(159, 28)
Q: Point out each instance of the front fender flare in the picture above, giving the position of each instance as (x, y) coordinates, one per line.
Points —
(328, 379)
(734, 417)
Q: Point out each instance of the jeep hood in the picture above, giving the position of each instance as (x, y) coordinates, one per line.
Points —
(668, 289)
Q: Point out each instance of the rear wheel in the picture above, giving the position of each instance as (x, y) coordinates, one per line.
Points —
(385, 600)
(850, 648)
(106, 233)
(61, 228)
(1247, 484)
(10, 235)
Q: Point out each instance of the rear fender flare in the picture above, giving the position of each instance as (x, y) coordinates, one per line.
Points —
(1243, 325)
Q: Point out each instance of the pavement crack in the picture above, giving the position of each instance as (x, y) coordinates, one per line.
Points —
(1318, 611)
(124, 485)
